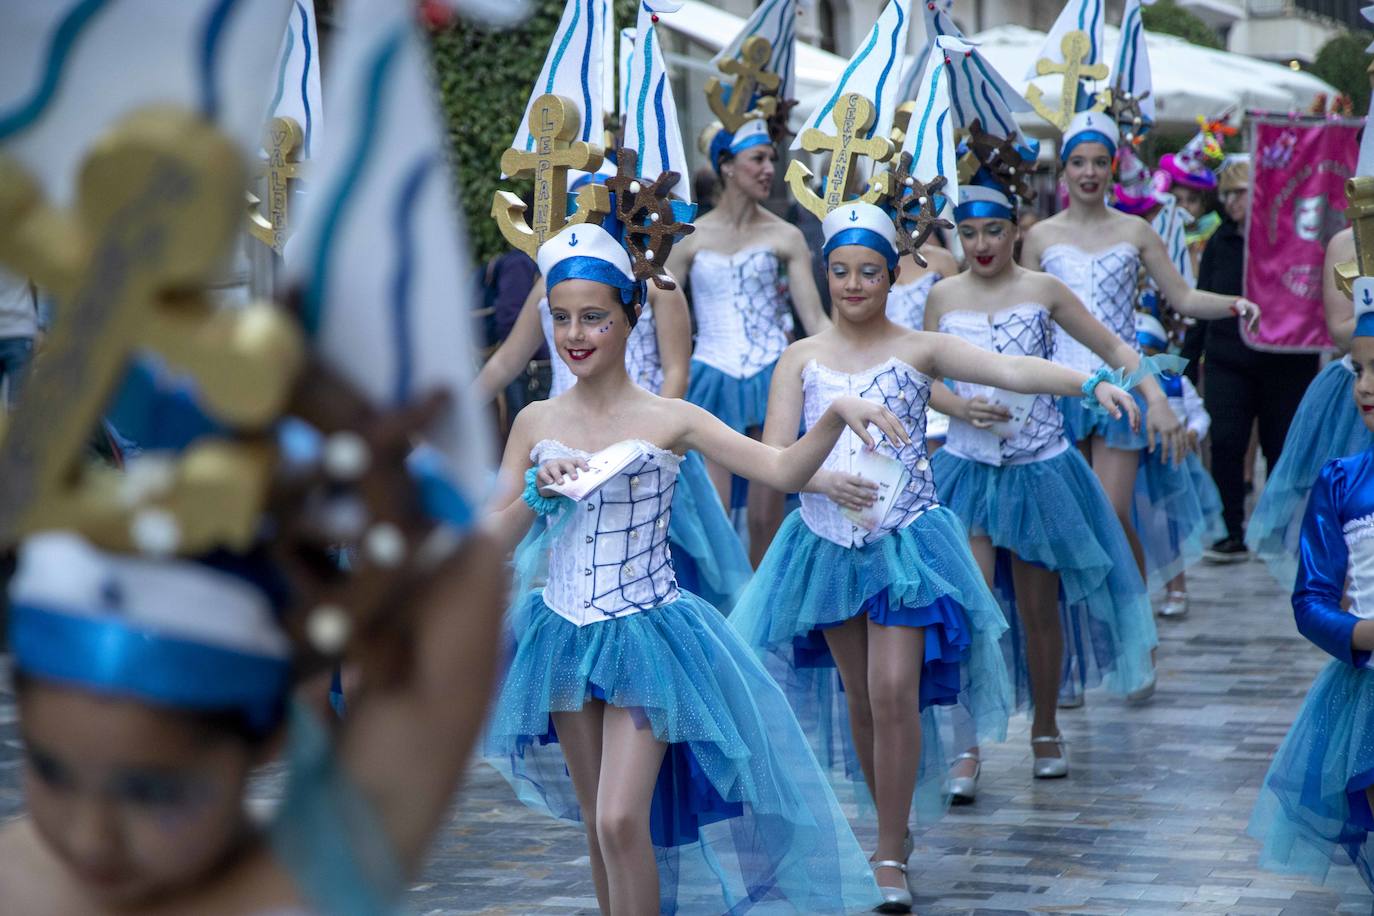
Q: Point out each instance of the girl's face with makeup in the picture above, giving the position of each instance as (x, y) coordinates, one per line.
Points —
(1088, 171)
(590, 326)
(859, 282)
(989, 244)
(1362, 359)
(136, 802)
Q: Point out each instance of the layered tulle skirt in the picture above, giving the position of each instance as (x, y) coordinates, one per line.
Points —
(740, 403)
(919, 576)
(708, 557)
(1326, 426)
(1054, 514)
(1176, 512)
(741, 813)
(1312, 809)
(1082, 422)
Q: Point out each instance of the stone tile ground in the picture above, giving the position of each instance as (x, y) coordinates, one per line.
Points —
(1151, 820)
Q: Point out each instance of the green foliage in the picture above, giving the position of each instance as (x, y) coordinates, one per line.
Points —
(485, 78)
(1168, 18)
(1343, 63)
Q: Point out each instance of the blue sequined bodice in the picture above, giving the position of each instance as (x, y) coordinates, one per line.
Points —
(611, 558)
(1022, 330)
(902, 390)
(743, 319)
(642, 360)
(1106, 281)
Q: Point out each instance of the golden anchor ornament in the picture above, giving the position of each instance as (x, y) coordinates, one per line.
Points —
(751, 77)
(853, 116)
(1077, 47)
(1360, 192)
(554, 121)
(283, 166)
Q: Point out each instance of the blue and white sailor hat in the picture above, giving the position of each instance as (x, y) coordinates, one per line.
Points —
(183, 634)
(859, 223)
(753, 132)
(1149, 332)
(1364, 307)
(1090, 127)
(589, 252)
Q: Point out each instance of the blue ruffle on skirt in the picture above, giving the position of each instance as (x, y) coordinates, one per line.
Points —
(708, 558)
(1054, 514)
(1081, 422)
(920, 576)
(1176, 513)
(742, 812)
(1312, 811)
(1326, 426)
(739, 403)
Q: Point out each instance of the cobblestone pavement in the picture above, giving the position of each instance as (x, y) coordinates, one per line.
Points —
(1151, 819)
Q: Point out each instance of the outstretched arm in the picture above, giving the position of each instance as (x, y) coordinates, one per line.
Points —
(1183, 297)
(516, 350)
(673, 325)
(802, 283)
(1323, 559)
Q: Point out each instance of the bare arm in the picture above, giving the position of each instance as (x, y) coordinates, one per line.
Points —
(674, 328)
(516, 350)
(507, 518)
(805, 297)
(1340, 311)
(1184, 298)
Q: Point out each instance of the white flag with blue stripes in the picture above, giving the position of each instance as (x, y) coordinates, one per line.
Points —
(979, 92)
(573, 70)
(930, 135)
(1077, 15)
(874, 72)
(296, 93)
(627, 50)
(70, 69)
(608, 35)
(936, 22)
(651, 127)
(381, 257)
(1171, 224)
(1132, 71)
(775, 20)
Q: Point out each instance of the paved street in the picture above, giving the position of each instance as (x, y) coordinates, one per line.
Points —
(1151, 819)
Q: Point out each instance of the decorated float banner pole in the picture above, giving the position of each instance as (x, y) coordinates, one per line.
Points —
(1297, 202)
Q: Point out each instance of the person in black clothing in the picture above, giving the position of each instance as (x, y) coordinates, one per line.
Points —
(1241, 384)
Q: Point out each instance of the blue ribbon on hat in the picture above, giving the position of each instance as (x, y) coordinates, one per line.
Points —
(983, 209)
(1087, 136)
(107, 655)
(598, 271)
(868, 239)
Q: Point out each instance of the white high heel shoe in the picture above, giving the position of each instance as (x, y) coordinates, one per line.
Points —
(895, 899)
(1175, 605)
(964, 789)
(1051, 767)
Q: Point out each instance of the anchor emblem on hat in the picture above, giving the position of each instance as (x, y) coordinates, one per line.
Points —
(751, 76)
(1077, 48)
(853, 116)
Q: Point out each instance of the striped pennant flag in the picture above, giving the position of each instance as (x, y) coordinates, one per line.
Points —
(1131, 75)
(297, 91)
(930, 135)
(1077, 15)
(651, 127)
(573, 70)
(70, 69)
(979, 92)
(775, 20)
(937, 23)
(874, 72)
(381, 258)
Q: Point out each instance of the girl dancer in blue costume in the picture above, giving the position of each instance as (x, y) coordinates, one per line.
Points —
(707, 554)
(149, 690)
(674, 747)
(1317, 804)
(1318, 433)
(1023, 490)
(1177, 506)
(896, 604)
(735, 264)
(1098, 252)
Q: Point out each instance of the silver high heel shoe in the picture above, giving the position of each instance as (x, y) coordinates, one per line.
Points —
(895, 899)
(1144, 692)
(1051, 767)
(963, 789)
(1175, 605)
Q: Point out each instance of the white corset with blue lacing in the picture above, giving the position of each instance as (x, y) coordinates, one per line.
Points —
(902, 390)
(1359, 541)
(642, 361)
(743, 319)
(1106, 281)
(906, 304)
(611, 559)
(1021, 330)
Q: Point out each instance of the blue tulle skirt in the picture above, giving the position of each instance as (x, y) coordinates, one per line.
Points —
(918, 576)
(740, 403)
(1054, 514)
(1176, 513)
(1326, 426)
(1082, 422)
(1312, 810)
(742, 813)
(708, 557)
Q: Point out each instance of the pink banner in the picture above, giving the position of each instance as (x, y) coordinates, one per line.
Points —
(1297, 202)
